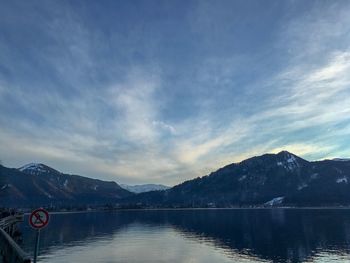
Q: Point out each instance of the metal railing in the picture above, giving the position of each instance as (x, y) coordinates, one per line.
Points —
(10, 252)
(10, 221)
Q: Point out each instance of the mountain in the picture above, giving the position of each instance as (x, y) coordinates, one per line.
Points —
(38, 184)
(341, 159)
(142, 188)
(282, 179)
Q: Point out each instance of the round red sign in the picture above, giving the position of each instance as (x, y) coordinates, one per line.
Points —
(39, 218)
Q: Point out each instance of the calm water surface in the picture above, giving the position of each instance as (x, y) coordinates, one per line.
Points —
(237, 235)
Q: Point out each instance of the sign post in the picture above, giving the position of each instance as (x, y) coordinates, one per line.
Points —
(38, 219)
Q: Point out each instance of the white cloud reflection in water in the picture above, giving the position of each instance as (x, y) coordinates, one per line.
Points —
(144, 243)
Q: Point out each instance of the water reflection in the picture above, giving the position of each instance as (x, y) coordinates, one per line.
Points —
(243, 235)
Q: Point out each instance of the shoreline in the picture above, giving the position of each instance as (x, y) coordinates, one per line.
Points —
(197, 209)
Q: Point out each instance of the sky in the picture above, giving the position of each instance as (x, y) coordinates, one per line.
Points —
(146, 91)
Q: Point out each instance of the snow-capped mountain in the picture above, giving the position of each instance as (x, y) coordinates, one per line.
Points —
(37, 169)
(142, 188)
(39, 184)
(282, 179)
(267, 180)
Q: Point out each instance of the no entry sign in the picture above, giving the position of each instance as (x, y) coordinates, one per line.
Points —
(39, 218)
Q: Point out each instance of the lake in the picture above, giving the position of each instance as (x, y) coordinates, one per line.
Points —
(212, 235)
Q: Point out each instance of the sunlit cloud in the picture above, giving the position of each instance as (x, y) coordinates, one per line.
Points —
(135, 100)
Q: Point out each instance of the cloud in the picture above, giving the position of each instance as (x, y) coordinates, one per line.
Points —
(111, 102)
(134, 100)
(164, 126)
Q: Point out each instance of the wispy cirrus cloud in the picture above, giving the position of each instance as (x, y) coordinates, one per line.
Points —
(133, 99)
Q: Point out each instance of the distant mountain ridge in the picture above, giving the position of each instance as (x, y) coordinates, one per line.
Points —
(282, 179)
(143, 188)
(341, 159)
(39, 184)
